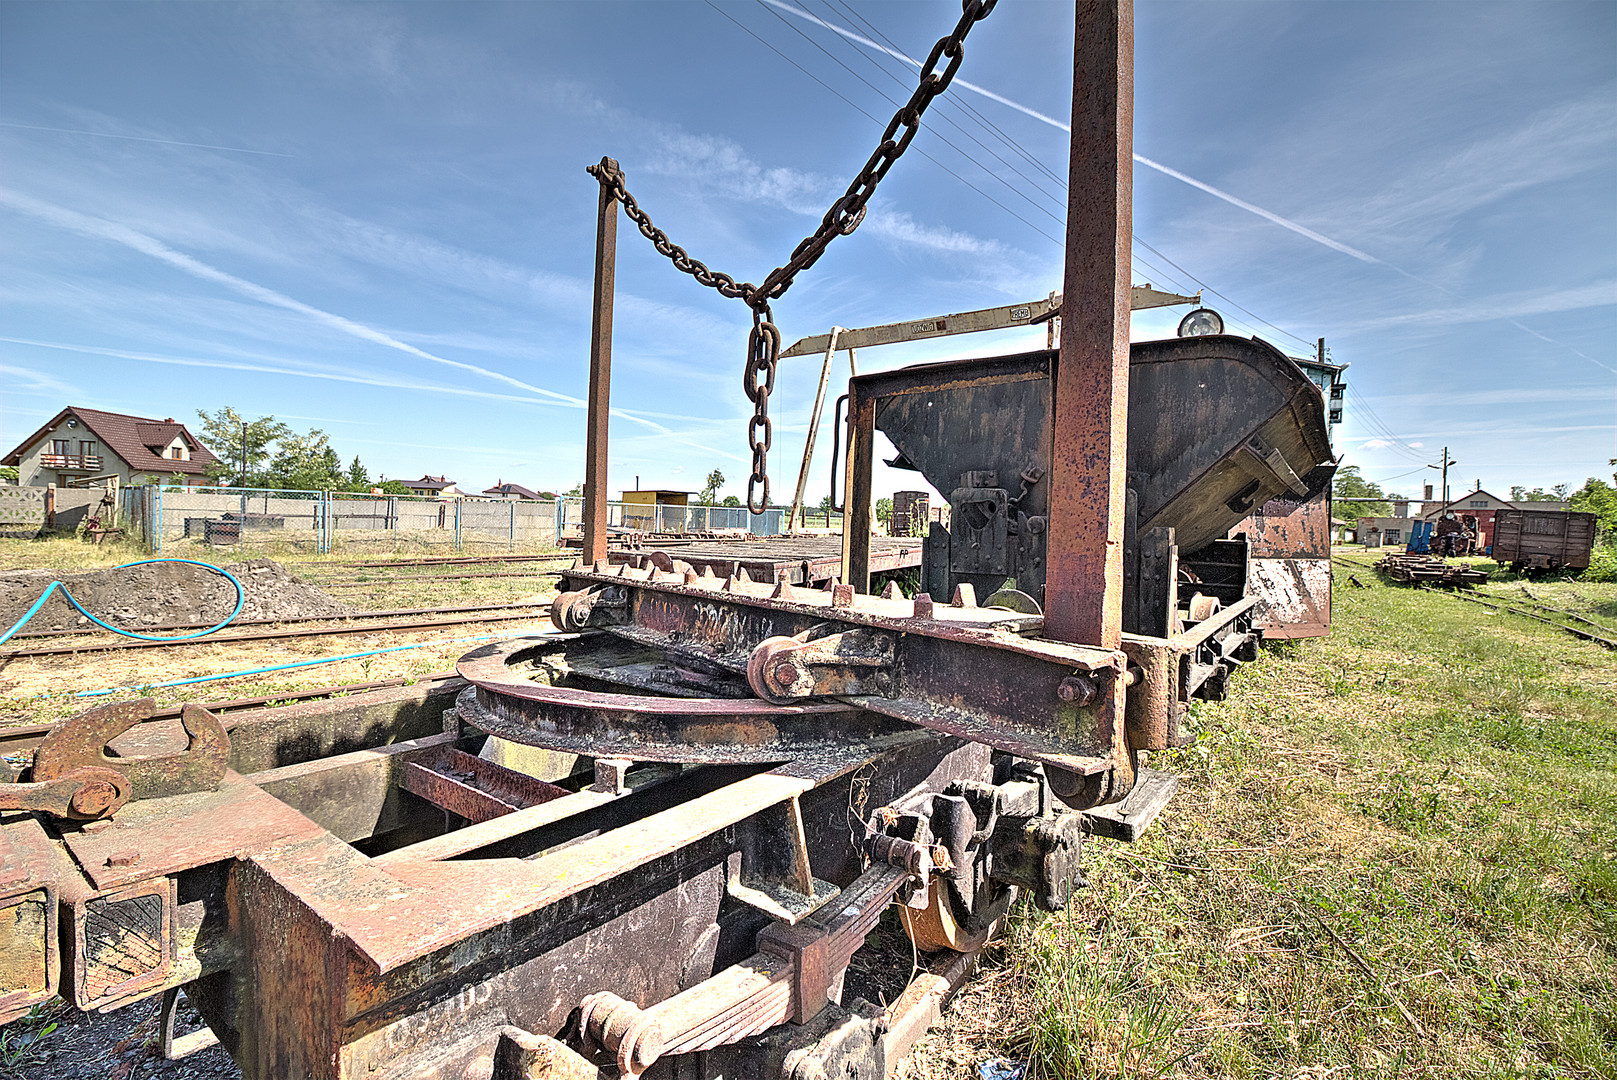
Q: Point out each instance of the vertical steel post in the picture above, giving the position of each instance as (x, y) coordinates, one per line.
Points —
(606, 258)
(1084, 591)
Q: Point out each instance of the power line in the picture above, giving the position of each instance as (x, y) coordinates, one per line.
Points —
(992, 128)
(874, 120)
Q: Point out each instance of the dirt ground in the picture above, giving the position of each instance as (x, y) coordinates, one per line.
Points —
(121, 1045)
(161, 594)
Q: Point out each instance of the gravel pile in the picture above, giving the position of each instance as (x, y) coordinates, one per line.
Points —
(162, 594)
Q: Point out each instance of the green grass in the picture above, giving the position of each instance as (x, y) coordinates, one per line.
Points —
(1431, 790)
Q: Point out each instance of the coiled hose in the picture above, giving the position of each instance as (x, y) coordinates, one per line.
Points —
(241, 598)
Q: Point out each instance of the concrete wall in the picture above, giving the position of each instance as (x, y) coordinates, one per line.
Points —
(22, 509)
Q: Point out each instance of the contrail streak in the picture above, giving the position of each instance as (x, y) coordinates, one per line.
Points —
(142, 138)
(362, 380)
(101, 229)
(1267, 215)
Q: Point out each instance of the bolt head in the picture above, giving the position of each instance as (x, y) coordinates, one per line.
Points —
(93, 798)
(1076, 690)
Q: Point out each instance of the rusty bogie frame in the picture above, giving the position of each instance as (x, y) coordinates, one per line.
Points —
(366, 891)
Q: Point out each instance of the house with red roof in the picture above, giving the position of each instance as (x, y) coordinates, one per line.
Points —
(90, 444)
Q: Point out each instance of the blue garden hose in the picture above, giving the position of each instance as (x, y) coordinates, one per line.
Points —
(241, 598)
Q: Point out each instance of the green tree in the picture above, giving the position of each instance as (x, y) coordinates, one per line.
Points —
(242, 446)
(1558, 493)
(9, 472)
(710, 490)
(306, 463)
(884, 513)
(730, 500)
(359, 477)
(1600, 499)
(576, 491)
(392, 487)
(1349, 484)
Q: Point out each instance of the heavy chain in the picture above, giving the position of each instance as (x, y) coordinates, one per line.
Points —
(763, 344)
(763, 354)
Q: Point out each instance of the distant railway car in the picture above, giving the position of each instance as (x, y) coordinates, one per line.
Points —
(1543, 539)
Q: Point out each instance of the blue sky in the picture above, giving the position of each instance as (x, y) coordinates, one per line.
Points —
(374, 219)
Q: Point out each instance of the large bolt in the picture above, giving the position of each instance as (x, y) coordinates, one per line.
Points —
(1077, 690)
(93, 799)
(785, 673)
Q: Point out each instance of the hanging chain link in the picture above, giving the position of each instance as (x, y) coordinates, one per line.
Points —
(763, 344)
(763, 355)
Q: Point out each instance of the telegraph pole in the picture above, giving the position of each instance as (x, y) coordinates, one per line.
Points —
(1447, 461)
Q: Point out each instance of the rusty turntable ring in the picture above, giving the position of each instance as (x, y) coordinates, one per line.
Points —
(512, 698)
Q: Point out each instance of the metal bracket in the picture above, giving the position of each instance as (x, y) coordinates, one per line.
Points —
(80, 794)
(854, 662)
(82, 741)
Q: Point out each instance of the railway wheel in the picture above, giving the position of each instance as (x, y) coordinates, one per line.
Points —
(935, 927)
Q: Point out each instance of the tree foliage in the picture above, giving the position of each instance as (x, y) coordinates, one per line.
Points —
(710, 490)
(1600, 499)
(266, 453)
(1558, 493)
(1349, 484)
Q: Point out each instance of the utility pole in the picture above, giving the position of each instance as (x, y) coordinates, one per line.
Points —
(1447, 461)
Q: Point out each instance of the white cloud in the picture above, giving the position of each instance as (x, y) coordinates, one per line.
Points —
(100, 228)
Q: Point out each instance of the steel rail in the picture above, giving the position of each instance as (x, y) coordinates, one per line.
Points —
(1502, 606)
(268, 635)
(445, 560)
(24, 738)
(1573, 630)
(431, 577)
(390, 614)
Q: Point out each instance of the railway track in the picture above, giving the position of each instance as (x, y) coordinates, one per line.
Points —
(525, 612)
(1608, 638)
(389, 614)
(446, 560)
(1577, 632)
(407, 578)
(26, 737)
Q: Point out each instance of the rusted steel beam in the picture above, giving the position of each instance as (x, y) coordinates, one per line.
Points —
(600, 394)
(856, 518)
(1084, 591)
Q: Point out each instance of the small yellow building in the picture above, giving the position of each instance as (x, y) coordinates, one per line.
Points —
(640, 509)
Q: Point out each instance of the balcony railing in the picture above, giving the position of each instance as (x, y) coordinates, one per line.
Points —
(71, 462)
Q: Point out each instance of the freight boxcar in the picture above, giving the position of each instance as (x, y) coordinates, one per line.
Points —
(1543, 539)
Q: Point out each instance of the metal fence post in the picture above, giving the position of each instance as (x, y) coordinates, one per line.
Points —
(511, 533)
(458, 504)
(159, 531)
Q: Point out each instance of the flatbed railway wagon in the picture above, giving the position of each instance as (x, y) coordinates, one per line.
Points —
(1528, 540)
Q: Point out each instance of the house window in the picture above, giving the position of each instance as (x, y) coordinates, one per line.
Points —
(174, 452)
(87, 448)
(1480, 502)
(60, 447)
(1391, 536)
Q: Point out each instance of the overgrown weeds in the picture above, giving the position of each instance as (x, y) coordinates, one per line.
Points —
(1394, 852)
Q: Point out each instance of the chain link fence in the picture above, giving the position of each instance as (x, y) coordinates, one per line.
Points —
(174, 521)
(668, 518)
